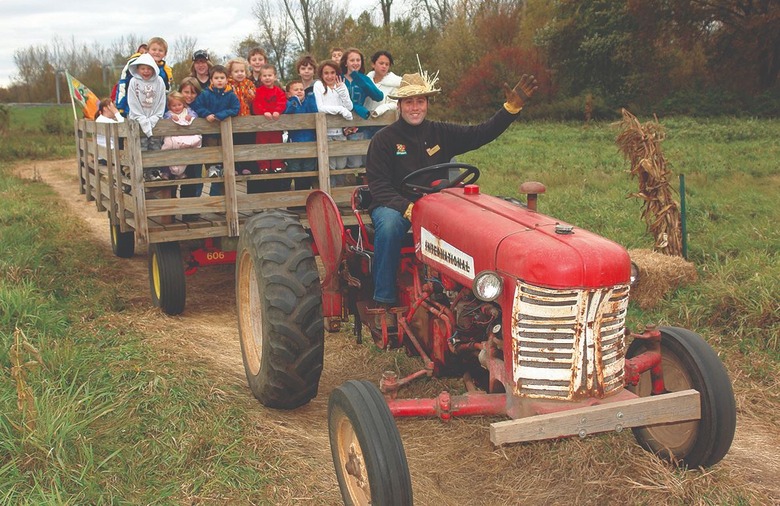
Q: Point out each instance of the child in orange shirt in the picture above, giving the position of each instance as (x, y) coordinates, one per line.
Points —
(244, 88)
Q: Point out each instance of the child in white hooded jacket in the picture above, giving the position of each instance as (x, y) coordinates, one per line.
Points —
(146, 102)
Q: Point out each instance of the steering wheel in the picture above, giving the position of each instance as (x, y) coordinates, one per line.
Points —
(471, 173)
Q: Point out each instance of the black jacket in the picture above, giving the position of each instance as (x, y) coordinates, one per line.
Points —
(400, 148)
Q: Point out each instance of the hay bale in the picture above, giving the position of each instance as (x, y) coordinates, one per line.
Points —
(659, 274)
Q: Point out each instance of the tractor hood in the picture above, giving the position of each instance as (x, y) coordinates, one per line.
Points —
(463, 232)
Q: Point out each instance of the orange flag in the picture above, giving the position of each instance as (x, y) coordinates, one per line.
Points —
(83, 96)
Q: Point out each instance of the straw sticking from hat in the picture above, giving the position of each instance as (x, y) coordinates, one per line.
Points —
(420, 84)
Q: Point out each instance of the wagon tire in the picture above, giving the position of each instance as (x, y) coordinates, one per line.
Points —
(279, 303)
(688, 361)
(166, 277)
(367, 451)
(122, 243)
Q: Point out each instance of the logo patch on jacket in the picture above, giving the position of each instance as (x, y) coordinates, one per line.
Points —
(400, 149)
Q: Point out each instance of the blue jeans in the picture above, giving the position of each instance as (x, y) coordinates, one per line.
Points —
(390, 228)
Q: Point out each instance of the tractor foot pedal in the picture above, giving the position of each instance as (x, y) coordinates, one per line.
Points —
(390, 318)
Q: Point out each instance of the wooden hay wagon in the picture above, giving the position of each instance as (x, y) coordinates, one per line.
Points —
(152, 213)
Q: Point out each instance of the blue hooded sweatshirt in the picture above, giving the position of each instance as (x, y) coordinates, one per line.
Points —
(294, 106)
(222, 103)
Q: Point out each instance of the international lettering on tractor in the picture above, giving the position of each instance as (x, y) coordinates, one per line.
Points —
(531, 311)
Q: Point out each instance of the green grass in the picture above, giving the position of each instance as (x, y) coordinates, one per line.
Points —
(38, 133)
(113, 421)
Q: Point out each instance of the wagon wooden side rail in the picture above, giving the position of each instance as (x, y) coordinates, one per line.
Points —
(113, 175)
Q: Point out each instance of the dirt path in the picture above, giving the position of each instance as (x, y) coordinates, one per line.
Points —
(450, 463)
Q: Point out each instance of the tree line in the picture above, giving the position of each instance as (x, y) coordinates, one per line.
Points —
(667, 56)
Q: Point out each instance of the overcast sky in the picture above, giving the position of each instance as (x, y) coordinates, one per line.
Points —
(217, 24)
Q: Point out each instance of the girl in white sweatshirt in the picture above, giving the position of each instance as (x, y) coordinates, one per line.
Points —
(332, 97)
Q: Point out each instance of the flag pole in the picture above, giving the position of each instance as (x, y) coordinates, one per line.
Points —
(70, 92)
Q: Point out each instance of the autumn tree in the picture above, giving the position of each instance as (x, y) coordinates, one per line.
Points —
(593, 47)
(311, 24)
(742, 39)
(479, 91)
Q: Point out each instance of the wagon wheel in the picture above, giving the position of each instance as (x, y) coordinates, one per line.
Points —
(122, 243)
(279, 310)
(688, 361)
(367, 451)
(468, 176)
(166, 277)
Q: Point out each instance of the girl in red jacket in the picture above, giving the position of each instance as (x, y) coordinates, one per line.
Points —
(270, 101)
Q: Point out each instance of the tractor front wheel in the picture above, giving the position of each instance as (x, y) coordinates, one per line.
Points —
(367, 451)
(279, 310)
(688, 361)
(166, 277)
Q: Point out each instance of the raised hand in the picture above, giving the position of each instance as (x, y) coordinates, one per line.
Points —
(517, 97)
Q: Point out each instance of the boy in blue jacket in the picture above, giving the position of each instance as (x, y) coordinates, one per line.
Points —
(216, 103)
(299, 103)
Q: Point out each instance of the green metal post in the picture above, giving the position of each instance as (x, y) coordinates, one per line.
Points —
(683, 218)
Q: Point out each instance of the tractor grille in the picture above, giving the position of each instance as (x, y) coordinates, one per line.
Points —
(568, 344)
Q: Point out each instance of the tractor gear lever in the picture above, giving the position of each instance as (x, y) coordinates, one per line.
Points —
(522, 92)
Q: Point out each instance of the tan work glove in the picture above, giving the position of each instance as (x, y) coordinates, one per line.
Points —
(408, 212)
(517, 97)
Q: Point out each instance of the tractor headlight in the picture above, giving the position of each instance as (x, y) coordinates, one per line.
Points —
(487, 286)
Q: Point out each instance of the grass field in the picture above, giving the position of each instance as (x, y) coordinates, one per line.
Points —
(38, 133)
(111, 420)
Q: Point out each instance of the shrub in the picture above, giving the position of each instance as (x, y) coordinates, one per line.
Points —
(56, 122)
(5, 119)
(571, 109)
(710, 103)
(766, 105)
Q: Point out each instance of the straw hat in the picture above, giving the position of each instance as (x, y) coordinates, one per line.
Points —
(418, 84)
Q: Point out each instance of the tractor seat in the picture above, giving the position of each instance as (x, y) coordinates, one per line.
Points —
(362, 198)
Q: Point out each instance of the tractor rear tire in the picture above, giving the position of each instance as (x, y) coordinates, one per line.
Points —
(367, 451)
(122, 243)
(279, 302)
(166, 277)
(688, 361)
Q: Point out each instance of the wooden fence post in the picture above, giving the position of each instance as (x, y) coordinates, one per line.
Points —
(321, 129)
(229, 175)
(137, 181)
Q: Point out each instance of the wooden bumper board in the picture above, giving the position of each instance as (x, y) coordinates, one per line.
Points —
(668, 408)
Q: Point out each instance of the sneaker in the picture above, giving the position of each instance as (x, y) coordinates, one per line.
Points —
(278, 169)
(152, 175)
(264, 171)
(246, 172)
(215, 171)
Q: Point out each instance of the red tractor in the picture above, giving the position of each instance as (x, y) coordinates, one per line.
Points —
(531, 312)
